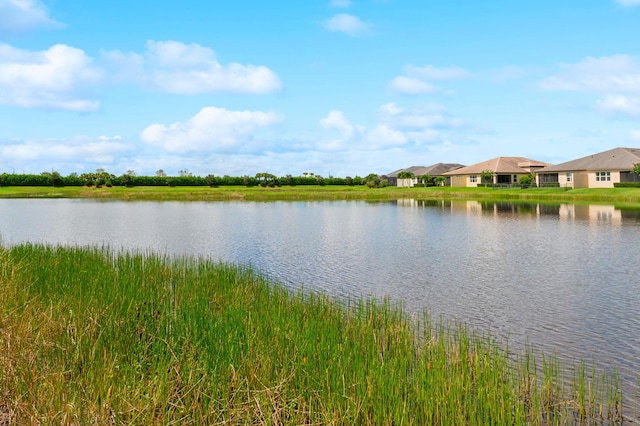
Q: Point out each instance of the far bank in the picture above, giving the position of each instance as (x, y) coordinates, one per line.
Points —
(626, 196)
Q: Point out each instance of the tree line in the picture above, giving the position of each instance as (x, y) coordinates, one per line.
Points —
(102, 178)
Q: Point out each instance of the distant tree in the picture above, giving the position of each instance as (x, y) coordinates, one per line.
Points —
(160, 173)
(486, 176)
(126, 180)
(130, 173)
(440, 180)
(406, 175)
(426, 179)
(348, 181)
(55, 179)
(288, 179)
(211, 180)
(184, 173)
(374, 181)
(636, 169)
(88, 179)
(266, 179)
(525, 180)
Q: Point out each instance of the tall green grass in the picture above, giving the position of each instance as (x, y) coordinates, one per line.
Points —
(88, 336)
(628, 196)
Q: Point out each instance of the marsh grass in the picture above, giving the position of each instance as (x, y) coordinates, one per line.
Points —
(89, 336)
(620, 196)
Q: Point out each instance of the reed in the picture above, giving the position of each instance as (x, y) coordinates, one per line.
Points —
(620, 196)
(93, 336)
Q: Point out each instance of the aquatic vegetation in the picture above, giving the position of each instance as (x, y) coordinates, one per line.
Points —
(91, 336)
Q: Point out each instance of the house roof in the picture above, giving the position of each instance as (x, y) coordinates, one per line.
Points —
(433, 170)
(613, 159)
(509, 165)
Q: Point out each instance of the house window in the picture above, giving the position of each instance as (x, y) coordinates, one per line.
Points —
(569, 177)
(515, 178)
(603, 176)
(473, 178)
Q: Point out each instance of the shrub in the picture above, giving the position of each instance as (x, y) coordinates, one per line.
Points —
(626, 185)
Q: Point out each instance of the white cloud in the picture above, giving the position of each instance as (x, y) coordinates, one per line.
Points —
(18, 16)
(418, 80)
(396, 127)
(57, 153)
(616, 78)
(337, 120)
(412, 86)
(340, 3)
(176, 67)
(612, 74)
(52, 78)
(634, 135)
(624, 105)
(628, 2)
(210, 130)
(348, 24)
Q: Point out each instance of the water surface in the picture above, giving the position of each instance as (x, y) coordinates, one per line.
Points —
(565, 278)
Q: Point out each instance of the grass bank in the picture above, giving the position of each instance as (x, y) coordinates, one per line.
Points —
(92, 337)
(628, 196)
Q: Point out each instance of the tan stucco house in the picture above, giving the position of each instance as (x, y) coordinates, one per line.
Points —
(600, 170)
(434, 171)
(506, 170)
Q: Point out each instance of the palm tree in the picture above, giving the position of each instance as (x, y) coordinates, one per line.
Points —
(403, 175)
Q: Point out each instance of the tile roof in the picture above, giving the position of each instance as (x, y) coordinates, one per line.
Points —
(433, 170)
(613, 159)
(509, 165)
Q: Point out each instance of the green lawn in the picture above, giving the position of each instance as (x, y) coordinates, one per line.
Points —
(627, 196)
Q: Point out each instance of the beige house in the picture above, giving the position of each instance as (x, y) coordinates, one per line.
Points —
(434, 171)
(505, 170)
(600, 170)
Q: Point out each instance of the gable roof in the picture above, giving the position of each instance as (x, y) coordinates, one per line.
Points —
(613, 159)
(510, 165)
(433, 170)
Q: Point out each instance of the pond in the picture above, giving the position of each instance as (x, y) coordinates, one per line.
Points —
(565, 278)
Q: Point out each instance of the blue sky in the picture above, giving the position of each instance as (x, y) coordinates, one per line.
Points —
(333, 87)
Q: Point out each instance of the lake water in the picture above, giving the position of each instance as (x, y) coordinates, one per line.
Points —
(564, 278)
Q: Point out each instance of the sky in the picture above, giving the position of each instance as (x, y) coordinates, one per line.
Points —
(332, 87)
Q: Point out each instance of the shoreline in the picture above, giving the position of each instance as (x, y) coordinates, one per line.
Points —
(629, 197)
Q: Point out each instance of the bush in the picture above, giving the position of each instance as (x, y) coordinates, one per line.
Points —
(626, 185)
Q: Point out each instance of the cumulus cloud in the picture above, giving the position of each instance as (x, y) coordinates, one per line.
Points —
(210, 130)
(176, 67)
(348, 24)
(58, 153)
(52, 78)
(618, 104)
(17, 16)
(396, 127)
(612, 74)
(616, 78)
(419, 80)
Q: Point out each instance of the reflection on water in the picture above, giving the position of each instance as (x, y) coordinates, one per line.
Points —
(562, 277)
(591, 212)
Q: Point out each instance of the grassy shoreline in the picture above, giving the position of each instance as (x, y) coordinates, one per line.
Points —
(88, 336)
(627, 196)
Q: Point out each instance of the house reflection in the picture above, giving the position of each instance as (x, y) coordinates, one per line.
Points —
(566, 212)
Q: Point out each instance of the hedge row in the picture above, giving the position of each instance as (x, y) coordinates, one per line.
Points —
(626, 185)
(107, 179)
